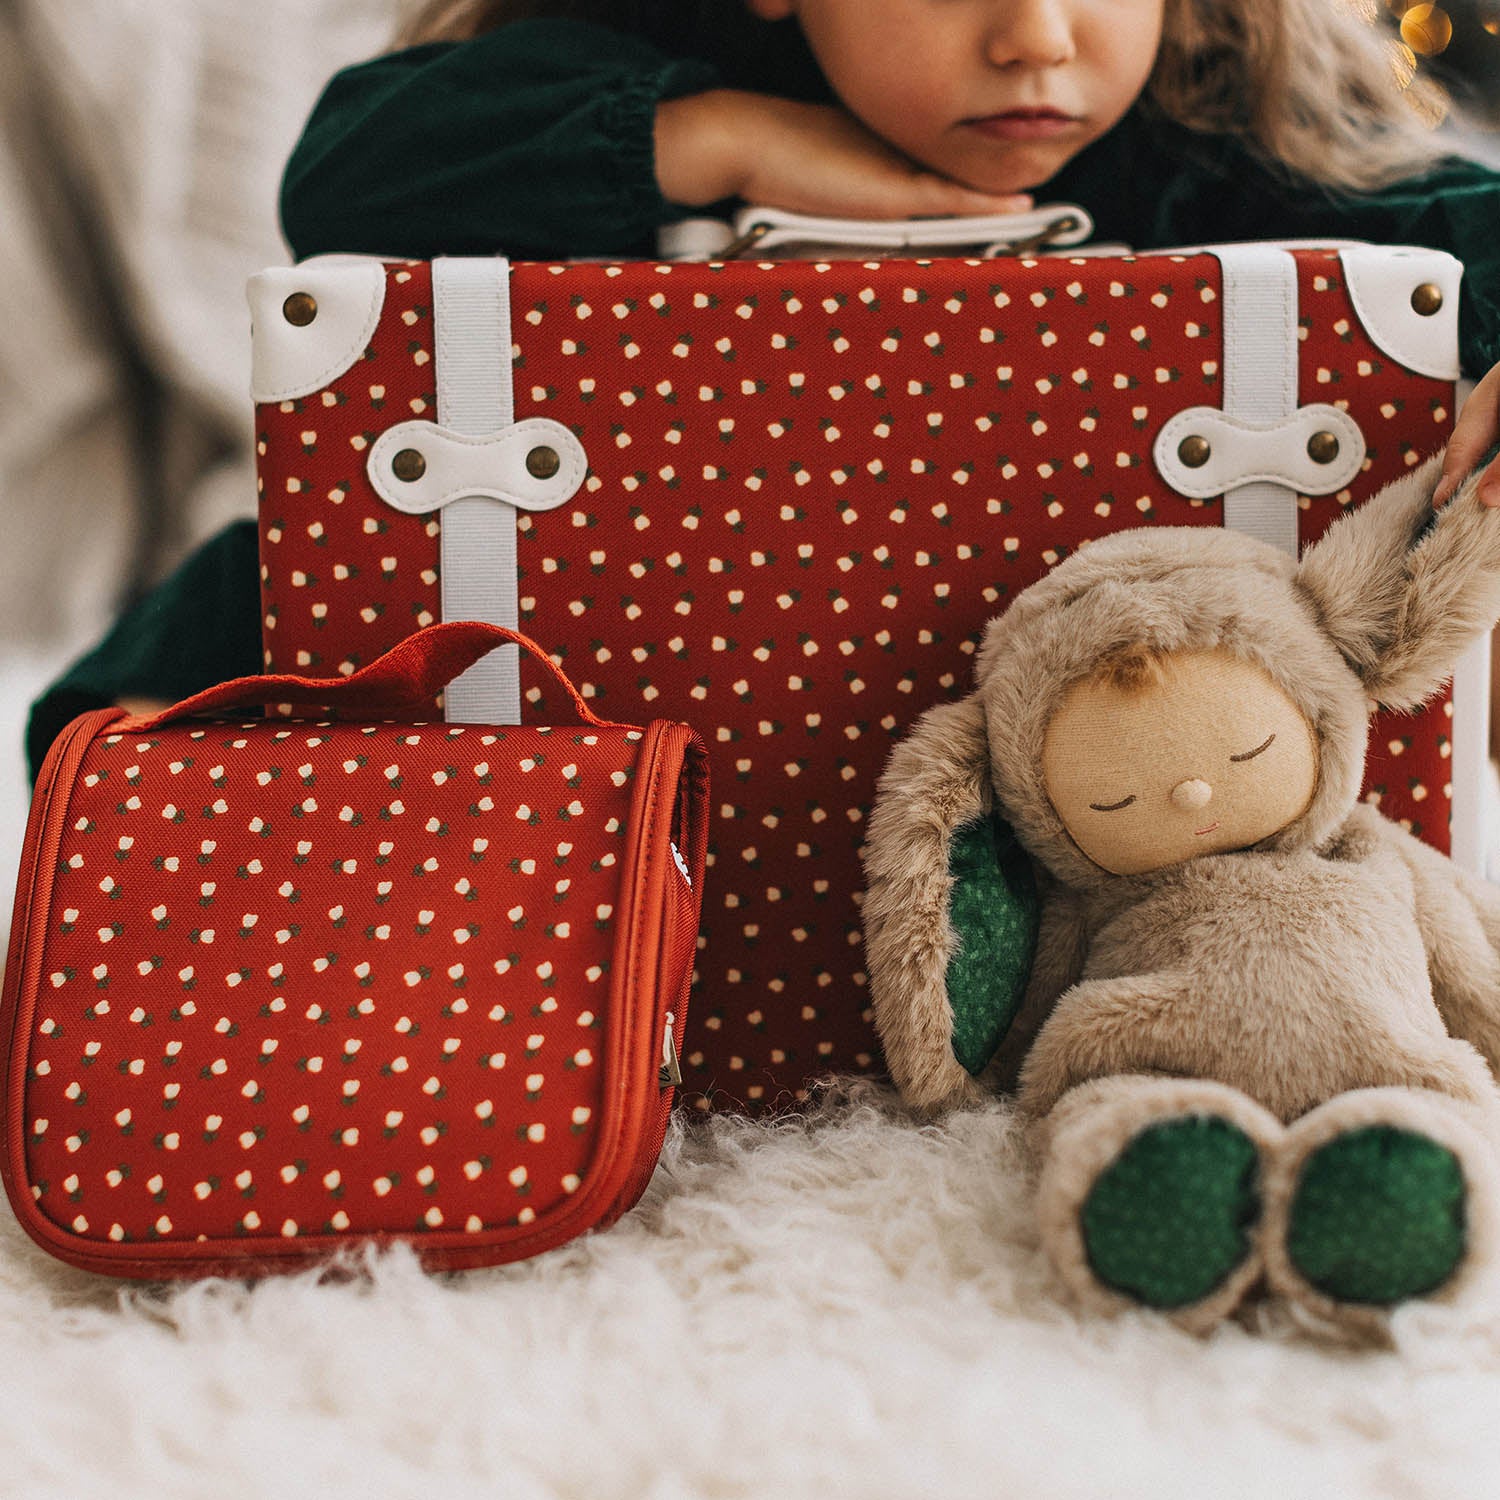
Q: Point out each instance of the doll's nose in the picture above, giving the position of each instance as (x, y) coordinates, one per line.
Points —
(1190, 795)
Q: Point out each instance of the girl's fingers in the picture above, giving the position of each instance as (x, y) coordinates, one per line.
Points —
(1475, 432)
(1489, 485)
(961, 201)
(921, 195)
(818, 159)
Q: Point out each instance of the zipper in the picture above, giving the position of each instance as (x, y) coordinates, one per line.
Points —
(671, 1068)
(669, 1077)
(676, 955)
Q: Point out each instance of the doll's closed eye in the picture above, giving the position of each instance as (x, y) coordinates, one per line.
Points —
(1265, 744)
(1112, 806)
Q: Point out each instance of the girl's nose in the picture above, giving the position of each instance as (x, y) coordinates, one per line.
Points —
(1190, 795)
(1033, 32)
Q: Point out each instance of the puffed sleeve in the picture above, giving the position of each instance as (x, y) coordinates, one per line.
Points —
(1157, 185)
(535, 139)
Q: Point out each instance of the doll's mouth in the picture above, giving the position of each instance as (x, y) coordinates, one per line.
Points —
(1199, 832)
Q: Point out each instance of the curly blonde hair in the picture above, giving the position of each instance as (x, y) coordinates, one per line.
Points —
(1311, 85)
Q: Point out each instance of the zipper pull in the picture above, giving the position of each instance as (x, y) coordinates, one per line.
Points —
(671, 1069)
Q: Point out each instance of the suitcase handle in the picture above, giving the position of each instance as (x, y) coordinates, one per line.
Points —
(409, 675)
(757, 228)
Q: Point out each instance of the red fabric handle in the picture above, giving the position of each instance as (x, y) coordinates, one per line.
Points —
(409, 675)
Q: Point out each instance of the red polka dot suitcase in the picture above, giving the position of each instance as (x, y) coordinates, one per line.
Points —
(782, 498)
(276, 986)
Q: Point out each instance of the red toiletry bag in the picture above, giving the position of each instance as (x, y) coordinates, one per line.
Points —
(276, 986)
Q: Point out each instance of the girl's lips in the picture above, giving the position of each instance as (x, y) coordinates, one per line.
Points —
(1199, 832)
(1024, 125)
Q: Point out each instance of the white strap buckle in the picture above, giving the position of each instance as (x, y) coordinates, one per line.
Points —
(419, 467)
(1203, 452)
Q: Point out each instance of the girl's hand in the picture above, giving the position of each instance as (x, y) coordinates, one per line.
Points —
(806, 158)
(1474, 434)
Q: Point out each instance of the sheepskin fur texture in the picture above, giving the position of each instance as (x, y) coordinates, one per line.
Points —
(1336, 955)
(854, 1302)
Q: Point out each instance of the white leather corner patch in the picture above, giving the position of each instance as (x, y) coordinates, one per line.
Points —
(1381, 280)
(456, 465)
(1241, 452)
(288, 360)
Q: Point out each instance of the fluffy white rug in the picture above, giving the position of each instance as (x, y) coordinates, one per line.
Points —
(850, 1303)
(844, 1304)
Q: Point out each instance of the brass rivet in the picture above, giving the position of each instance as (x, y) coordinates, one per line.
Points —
(543, 462)
(1322, 447)
(1194, 451)
(300, 309)
(1426, 299)
(408, 465)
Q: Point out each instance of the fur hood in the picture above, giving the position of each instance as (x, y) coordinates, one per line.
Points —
(1377, 612)
(1175, 589)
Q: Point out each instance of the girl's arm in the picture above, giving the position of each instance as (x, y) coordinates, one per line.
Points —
(809, 158)
(199, 627)
(558, 138)
(535, 138)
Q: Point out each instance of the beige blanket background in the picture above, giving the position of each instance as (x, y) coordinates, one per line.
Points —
(141, 145)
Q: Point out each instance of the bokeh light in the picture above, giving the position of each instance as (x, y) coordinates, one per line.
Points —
(1426, 29)
(1446, 58)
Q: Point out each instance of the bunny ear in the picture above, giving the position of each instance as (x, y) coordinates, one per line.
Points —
(1402, 590)
(936, 782)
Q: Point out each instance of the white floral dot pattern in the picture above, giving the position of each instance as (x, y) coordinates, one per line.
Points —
(299, 980)
(809, 486)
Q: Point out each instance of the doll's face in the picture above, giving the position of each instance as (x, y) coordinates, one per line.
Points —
(996, 94)
(1212, 756)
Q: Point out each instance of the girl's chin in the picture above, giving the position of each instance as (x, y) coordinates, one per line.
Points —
(1016, 167)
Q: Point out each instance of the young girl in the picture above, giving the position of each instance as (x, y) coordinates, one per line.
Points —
(549, 128)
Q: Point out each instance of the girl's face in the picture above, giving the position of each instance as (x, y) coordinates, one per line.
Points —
(995, 94)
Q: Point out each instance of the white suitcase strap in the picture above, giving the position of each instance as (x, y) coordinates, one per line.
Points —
(1257, 450)
(476, 464)
(1259, 292)
(479, 466)
(477, 556)
(1260, 449)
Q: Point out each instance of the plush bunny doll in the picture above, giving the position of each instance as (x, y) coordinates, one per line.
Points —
(1258, 1038)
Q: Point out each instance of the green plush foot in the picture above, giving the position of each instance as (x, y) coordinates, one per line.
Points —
(1170, 1218)
(1378, 1216)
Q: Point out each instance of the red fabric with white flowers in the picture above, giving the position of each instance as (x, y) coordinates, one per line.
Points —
(293, 982)
(810, 485)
